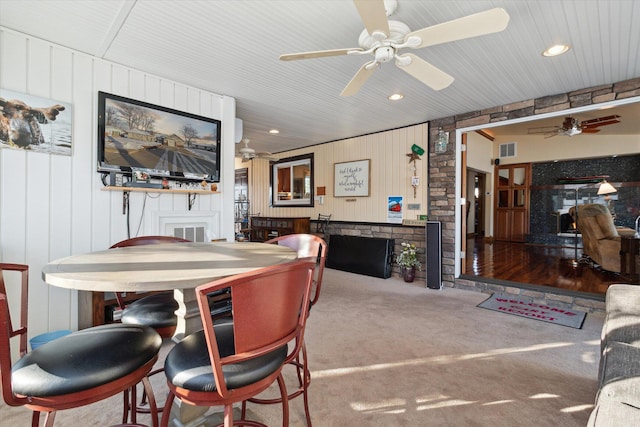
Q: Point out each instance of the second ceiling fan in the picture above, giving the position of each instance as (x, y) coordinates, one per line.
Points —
(384, 39)
(572, 126)
(247, 153)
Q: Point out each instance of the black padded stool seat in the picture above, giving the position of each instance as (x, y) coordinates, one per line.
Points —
(188, 365)
(84, 360)
(157, 311)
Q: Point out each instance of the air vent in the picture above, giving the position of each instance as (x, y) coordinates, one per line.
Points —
(193, 233)
(508, 150)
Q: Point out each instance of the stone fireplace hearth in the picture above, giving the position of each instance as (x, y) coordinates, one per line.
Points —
(550, 222)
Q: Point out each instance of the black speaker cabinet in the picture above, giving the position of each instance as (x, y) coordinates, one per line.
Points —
(363, 255)
(433, 231)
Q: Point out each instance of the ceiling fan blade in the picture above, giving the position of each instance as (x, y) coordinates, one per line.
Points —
(590, 130)
(478, 24)
(373, 15)
(428, 74)
(265, 155)
(317, 54)
(358, 80)
(600, 121)
(544, 129)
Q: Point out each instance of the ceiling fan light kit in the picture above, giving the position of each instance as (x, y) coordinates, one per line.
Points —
(384, 38)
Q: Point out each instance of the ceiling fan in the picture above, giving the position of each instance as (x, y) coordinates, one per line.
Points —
(383, 39)
(247, 153)
(571, 126)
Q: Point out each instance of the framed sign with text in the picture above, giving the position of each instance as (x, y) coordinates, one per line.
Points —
(351, 179)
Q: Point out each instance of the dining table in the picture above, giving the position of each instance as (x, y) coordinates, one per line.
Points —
(180, 267)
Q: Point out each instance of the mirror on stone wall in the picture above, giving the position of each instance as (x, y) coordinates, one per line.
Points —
(292, 181)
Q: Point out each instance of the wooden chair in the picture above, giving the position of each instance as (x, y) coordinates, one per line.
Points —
(248, 226)
(156, 311)
(307, 246)
(322, 225)
(230, 362)
(75, 370)
(310, 247)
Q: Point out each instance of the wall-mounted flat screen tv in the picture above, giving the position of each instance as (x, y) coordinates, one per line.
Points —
(164, 143)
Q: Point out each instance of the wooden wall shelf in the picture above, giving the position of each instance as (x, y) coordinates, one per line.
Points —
(158, 190)
(190, 192)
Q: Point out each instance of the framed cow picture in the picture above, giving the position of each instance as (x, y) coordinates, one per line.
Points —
(32, 123)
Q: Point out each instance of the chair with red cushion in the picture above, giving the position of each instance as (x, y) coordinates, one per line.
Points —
(74, 370)
(157, 311)
(308, 246)
(230, 362)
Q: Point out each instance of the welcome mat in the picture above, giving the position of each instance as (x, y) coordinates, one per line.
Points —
(523, 308)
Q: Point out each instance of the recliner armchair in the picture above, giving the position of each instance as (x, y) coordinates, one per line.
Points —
(600, 237)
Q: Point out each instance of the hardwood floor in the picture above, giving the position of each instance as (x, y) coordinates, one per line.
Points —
(537, 265)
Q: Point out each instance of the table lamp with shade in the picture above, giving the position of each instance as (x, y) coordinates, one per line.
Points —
(605, 190)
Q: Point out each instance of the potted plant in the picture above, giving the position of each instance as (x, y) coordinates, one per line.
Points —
(408, 261)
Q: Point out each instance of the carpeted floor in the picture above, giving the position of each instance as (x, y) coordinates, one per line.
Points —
(390, 353)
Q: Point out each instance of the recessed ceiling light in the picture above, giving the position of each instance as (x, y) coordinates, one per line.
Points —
(274, 131)
(556, 50)
(395, 97)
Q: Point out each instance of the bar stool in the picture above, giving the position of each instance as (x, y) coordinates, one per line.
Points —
(313, 248)
(156, 311)
(75, 370)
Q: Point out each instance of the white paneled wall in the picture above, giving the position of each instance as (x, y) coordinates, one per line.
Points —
(390, 176)
(53, 206)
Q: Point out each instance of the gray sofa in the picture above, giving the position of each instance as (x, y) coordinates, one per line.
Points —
(618, 398)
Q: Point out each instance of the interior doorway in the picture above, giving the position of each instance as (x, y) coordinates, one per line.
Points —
(480, 192)
(476, 199)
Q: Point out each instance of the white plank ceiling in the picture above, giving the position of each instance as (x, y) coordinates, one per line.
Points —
(232, 48)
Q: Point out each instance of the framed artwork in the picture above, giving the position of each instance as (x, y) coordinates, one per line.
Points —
(395, 208)
(351, 179)
(35, 124)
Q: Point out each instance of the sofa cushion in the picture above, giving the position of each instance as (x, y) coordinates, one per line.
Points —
(620, 375)
(590, 226)
(626, 231)
(607, 227)
(624, 328)
(622, 322)
(613, 414)
(623, 298)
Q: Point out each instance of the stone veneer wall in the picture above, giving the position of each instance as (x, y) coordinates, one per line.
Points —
(442, 167)
(416, 235)
(401, 233)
